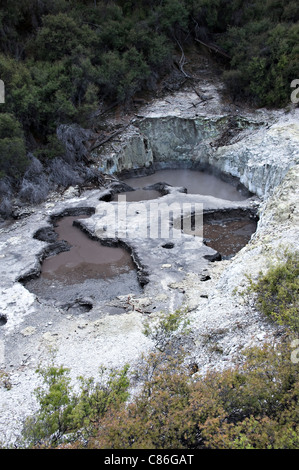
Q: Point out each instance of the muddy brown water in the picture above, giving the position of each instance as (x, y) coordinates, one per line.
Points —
(86, 259)
(88, 270)
(228, 237)
(225, 234)
(104, 272)
(196, 182)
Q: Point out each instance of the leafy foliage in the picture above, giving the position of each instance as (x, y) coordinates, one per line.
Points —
(58, 59)
(62, 411)
(166, 328)
(13, 159)
(251, 406)
(278, 291)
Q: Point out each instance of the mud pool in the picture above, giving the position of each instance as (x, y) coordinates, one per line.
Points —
(228, 236)
(88, 270)
(86, 259)
(139, 195)
(195, 182)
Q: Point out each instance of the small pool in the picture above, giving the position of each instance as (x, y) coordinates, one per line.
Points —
(88, 269)
(138, 195)
(228, 236)
(196, 182)
(86, 259)
(227, 232)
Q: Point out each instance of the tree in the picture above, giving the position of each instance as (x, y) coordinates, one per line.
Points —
(21, 97)
(56, 404)
(60, 36)
(122, 75)
(13, 159)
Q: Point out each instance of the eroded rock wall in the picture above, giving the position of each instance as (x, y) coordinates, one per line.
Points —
(262, 159)
(258, 148)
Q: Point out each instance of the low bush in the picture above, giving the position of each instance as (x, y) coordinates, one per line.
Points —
(64, 414)
(253, 405)
(277, 291)
(250, 406)
(13, 158)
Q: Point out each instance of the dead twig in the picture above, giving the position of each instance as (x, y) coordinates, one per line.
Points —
(182, 59)
(214, 48)
(109, 137)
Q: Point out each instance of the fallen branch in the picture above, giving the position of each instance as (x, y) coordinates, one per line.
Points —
(203, 98)
(101, 113)
(182, 60)
(214, 48)
(109, 137)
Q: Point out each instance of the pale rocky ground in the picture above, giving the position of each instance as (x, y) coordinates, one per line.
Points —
(264, 155)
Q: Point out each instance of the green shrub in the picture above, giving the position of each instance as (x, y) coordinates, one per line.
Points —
(13, 159)
(277, 291)
(60, 36)
(121, 75)
(253, 406)
(165, 328)
(63, 412)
